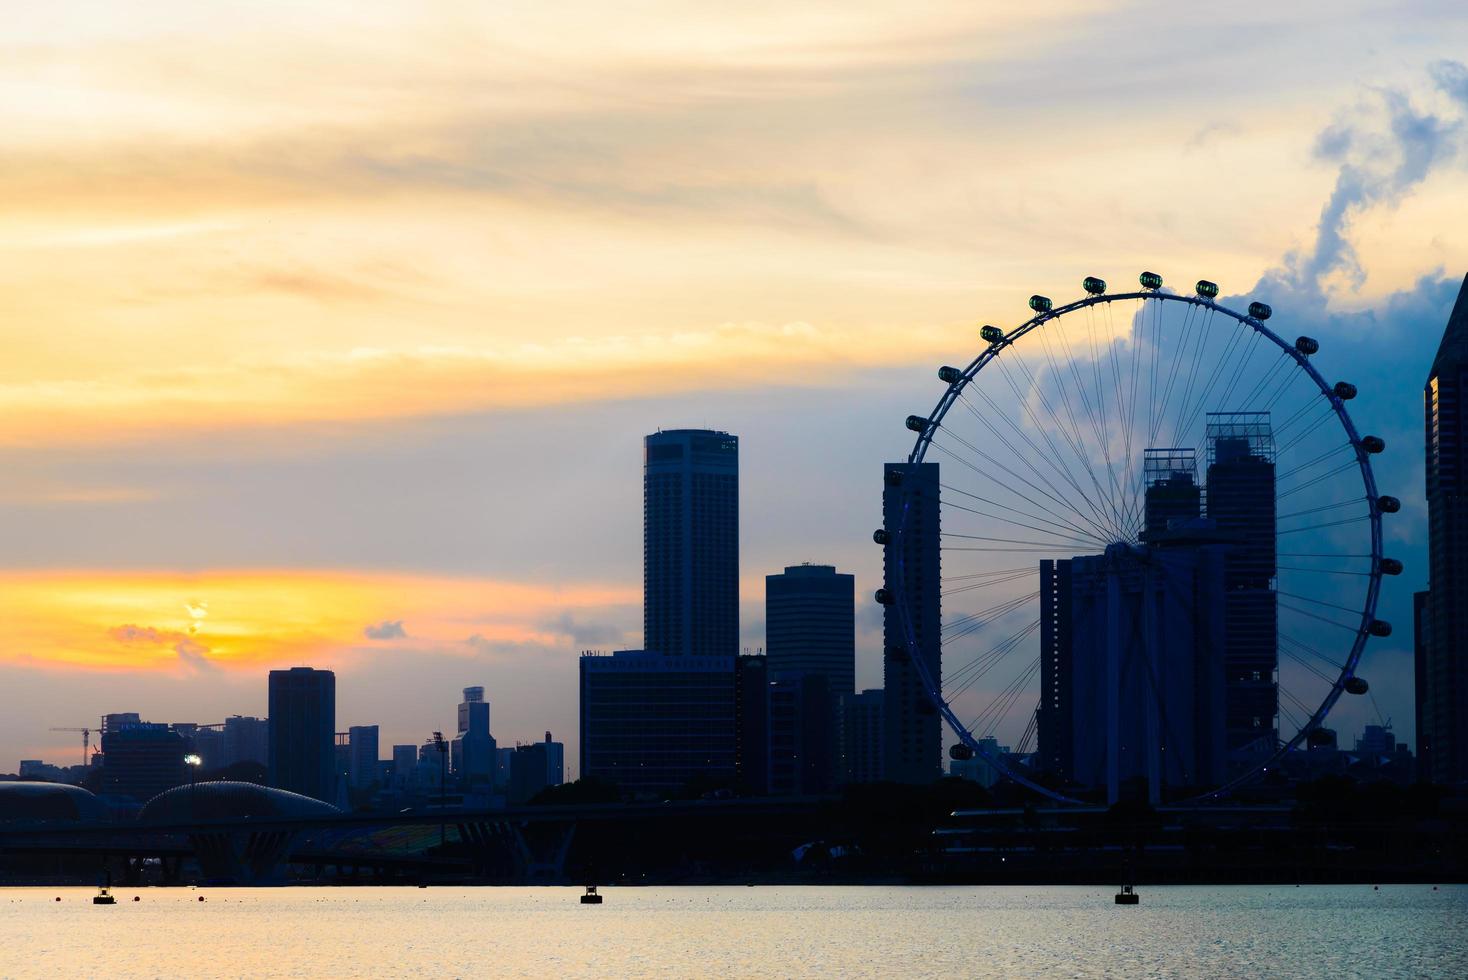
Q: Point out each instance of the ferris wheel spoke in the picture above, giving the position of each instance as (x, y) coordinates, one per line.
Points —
(1096, 428)
(1155, 423)
(1075, 438)
(1051, 458)
(975, 670)
(1057, 523)
(1304, 647)
(1315, 481)
(1319, 617)
(1316, 461)
(1193, 409)
(1087, 540)
(1306, 664)
(993, 715)
(998, 465)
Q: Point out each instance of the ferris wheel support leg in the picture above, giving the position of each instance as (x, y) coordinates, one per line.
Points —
(1154, 737)
(1113, 685)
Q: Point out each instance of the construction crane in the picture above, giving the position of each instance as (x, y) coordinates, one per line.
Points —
(86, 742)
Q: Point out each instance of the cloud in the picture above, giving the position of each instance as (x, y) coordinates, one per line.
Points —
(1384, 149)
(138, 634)
(584, 634)
(385, 630)
(192, 654)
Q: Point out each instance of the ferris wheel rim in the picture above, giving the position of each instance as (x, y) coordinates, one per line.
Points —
(1302, 361)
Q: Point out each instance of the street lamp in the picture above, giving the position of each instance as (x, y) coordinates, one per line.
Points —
(193, 762)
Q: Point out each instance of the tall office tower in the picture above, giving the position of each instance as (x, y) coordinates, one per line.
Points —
(473, 748)
(246, 740)
(302, 731)
(1419, 681)
(690, 544)
(654, 724)
(752, 725)
(1241, 505)
(861, 737)
(1131, 667)
(912, 737)
(362, 748)
(1442, 735)
(810, 625)
(140, 760)
(810, 631)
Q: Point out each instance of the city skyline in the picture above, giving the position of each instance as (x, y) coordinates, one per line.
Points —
(183, 515)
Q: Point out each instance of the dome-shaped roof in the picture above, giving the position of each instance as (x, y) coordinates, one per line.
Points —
(25, 801)
(226, 800)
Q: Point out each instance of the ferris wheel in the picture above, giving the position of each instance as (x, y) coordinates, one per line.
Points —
(1138, 539)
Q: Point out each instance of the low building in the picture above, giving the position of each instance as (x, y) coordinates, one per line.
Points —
(655, 724)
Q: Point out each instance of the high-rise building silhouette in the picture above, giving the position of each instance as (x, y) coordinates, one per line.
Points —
(302, 731)
(810, 625)
(473, 751)
(862, 737)
(1241, 505)
(1132, 667)
(141, 760)
(691, 543)
(362, 744)
(810, 640)
(911, 574)
(1442, 688)
(752, 724)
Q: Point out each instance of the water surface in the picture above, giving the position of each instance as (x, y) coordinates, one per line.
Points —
(1274, 931)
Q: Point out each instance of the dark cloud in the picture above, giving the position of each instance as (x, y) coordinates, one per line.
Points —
(1451, 77)
(388, 629)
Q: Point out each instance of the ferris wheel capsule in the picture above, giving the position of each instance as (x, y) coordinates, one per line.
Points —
(1206, 289)
(1373, 444)
(949, 374)
(1388, 504)
(1344, 390)
(1095, 287)
(1356, 685)
(1307, 345)
(992, 334)
(1379, 627)
(1260, 311)
(960, 752)
(1390, 566)
(1150, 280)
(881, 536)
(1041, 304)
(917, 423)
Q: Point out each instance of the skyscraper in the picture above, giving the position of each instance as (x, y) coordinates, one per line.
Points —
(473, 748)
(302, 731)
(810, 640)
(810, 625)
(362, 744)
(1442, 689)
(690, 551)
(1241, 504)
(912, 734)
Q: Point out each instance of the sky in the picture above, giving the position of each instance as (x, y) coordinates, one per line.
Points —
(331, 330)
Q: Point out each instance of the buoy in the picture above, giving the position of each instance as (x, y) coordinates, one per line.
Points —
(1127, 896)
(591, 897)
